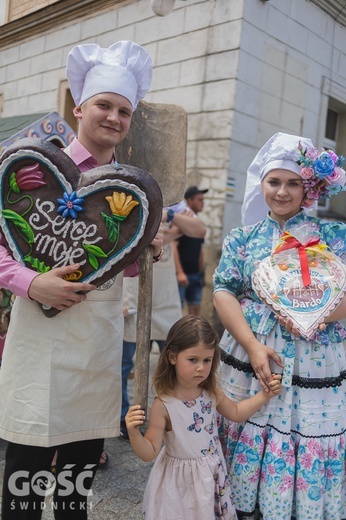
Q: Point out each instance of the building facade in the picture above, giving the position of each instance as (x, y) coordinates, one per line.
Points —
(242, 70)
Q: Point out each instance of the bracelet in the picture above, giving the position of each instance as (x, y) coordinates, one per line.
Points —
(170, 215)
(159, 256)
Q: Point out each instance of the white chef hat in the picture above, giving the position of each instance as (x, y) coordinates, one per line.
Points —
(279, 152)
(124, 68)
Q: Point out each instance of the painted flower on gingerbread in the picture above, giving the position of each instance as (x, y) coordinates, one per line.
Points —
(121, 204)
(27, 178)
(70, 205)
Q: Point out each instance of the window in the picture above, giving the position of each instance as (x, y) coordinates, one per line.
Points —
(66, 104)
(332, 125)
(18, 8)
(334, 138)
(329, 141)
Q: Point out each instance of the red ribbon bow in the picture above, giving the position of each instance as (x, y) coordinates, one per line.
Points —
(290, 242)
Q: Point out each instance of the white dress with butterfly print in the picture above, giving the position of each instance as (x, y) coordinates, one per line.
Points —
(189, 478)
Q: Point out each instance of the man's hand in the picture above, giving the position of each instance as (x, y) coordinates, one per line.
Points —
(188, 212)
(157, 242)
(182, 279)
(52, 290)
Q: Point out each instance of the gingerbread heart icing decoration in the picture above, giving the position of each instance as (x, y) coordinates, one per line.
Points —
(52, 215)
(278, 281)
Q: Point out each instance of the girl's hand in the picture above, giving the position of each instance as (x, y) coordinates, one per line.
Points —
(134, 418)
(259, 357)
(275, 385)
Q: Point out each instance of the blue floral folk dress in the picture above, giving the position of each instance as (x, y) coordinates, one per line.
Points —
(288, 460)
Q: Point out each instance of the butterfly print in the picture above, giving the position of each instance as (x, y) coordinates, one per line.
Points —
(197, 425)
(190, 404)
(206, 408)
(224, 509)
(210, 451)
(225, 486)
(210, 427)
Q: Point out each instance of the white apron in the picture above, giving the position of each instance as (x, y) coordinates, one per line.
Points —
(166, 307)
(60, 379)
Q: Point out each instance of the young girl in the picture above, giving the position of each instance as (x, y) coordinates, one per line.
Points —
(189, 478)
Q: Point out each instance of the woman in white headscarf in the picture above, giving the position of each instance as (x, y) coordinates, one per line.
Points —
(288, 460)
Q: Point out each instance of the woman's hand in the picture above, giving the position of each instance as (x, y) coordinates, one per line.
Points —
(233, 319)
(289, 326)
(259, 356)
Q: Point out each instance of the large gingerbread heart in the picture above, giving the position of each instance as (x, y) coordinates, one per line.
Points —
(278, 282)
(53, 215)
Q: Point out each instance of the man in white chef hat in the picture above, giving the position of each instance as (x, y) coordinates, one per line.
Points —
(106, 85)
(64, 395)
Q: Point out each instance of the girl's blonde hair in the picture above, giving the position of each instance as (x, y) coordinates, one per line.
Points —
(187, 332)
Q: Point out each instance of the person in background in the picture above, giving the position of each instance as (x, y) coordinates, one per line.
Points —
(188, 257)
(60, 380)
(288, 460)
(166, 308)
(189, 478)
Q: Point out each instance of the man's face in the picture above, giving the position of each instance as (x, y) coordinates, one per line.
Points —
(104, 120)
(196, 202)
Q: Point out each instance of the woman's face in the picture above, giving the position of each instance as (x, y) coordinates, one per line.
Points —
(283, 191)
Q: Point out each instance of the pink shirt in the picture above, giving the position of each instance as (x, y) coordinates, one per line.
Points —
(13, 275)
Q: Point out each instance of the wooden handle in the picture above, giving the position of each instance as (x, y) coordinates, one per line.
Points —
(144, 308)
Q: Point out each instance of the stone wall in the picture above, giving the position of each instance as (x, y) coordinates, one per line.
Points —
(195, 53)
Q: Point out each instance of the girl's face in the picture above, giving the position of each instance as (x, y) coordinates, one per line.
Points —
(283, 191)
(193, 365)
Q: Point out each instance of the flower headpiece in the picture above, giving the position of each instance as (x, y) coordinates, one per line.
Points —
(321, 172)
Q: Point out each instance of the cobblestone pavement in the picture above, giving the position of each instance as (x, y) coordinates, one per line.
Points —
(118, 489)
